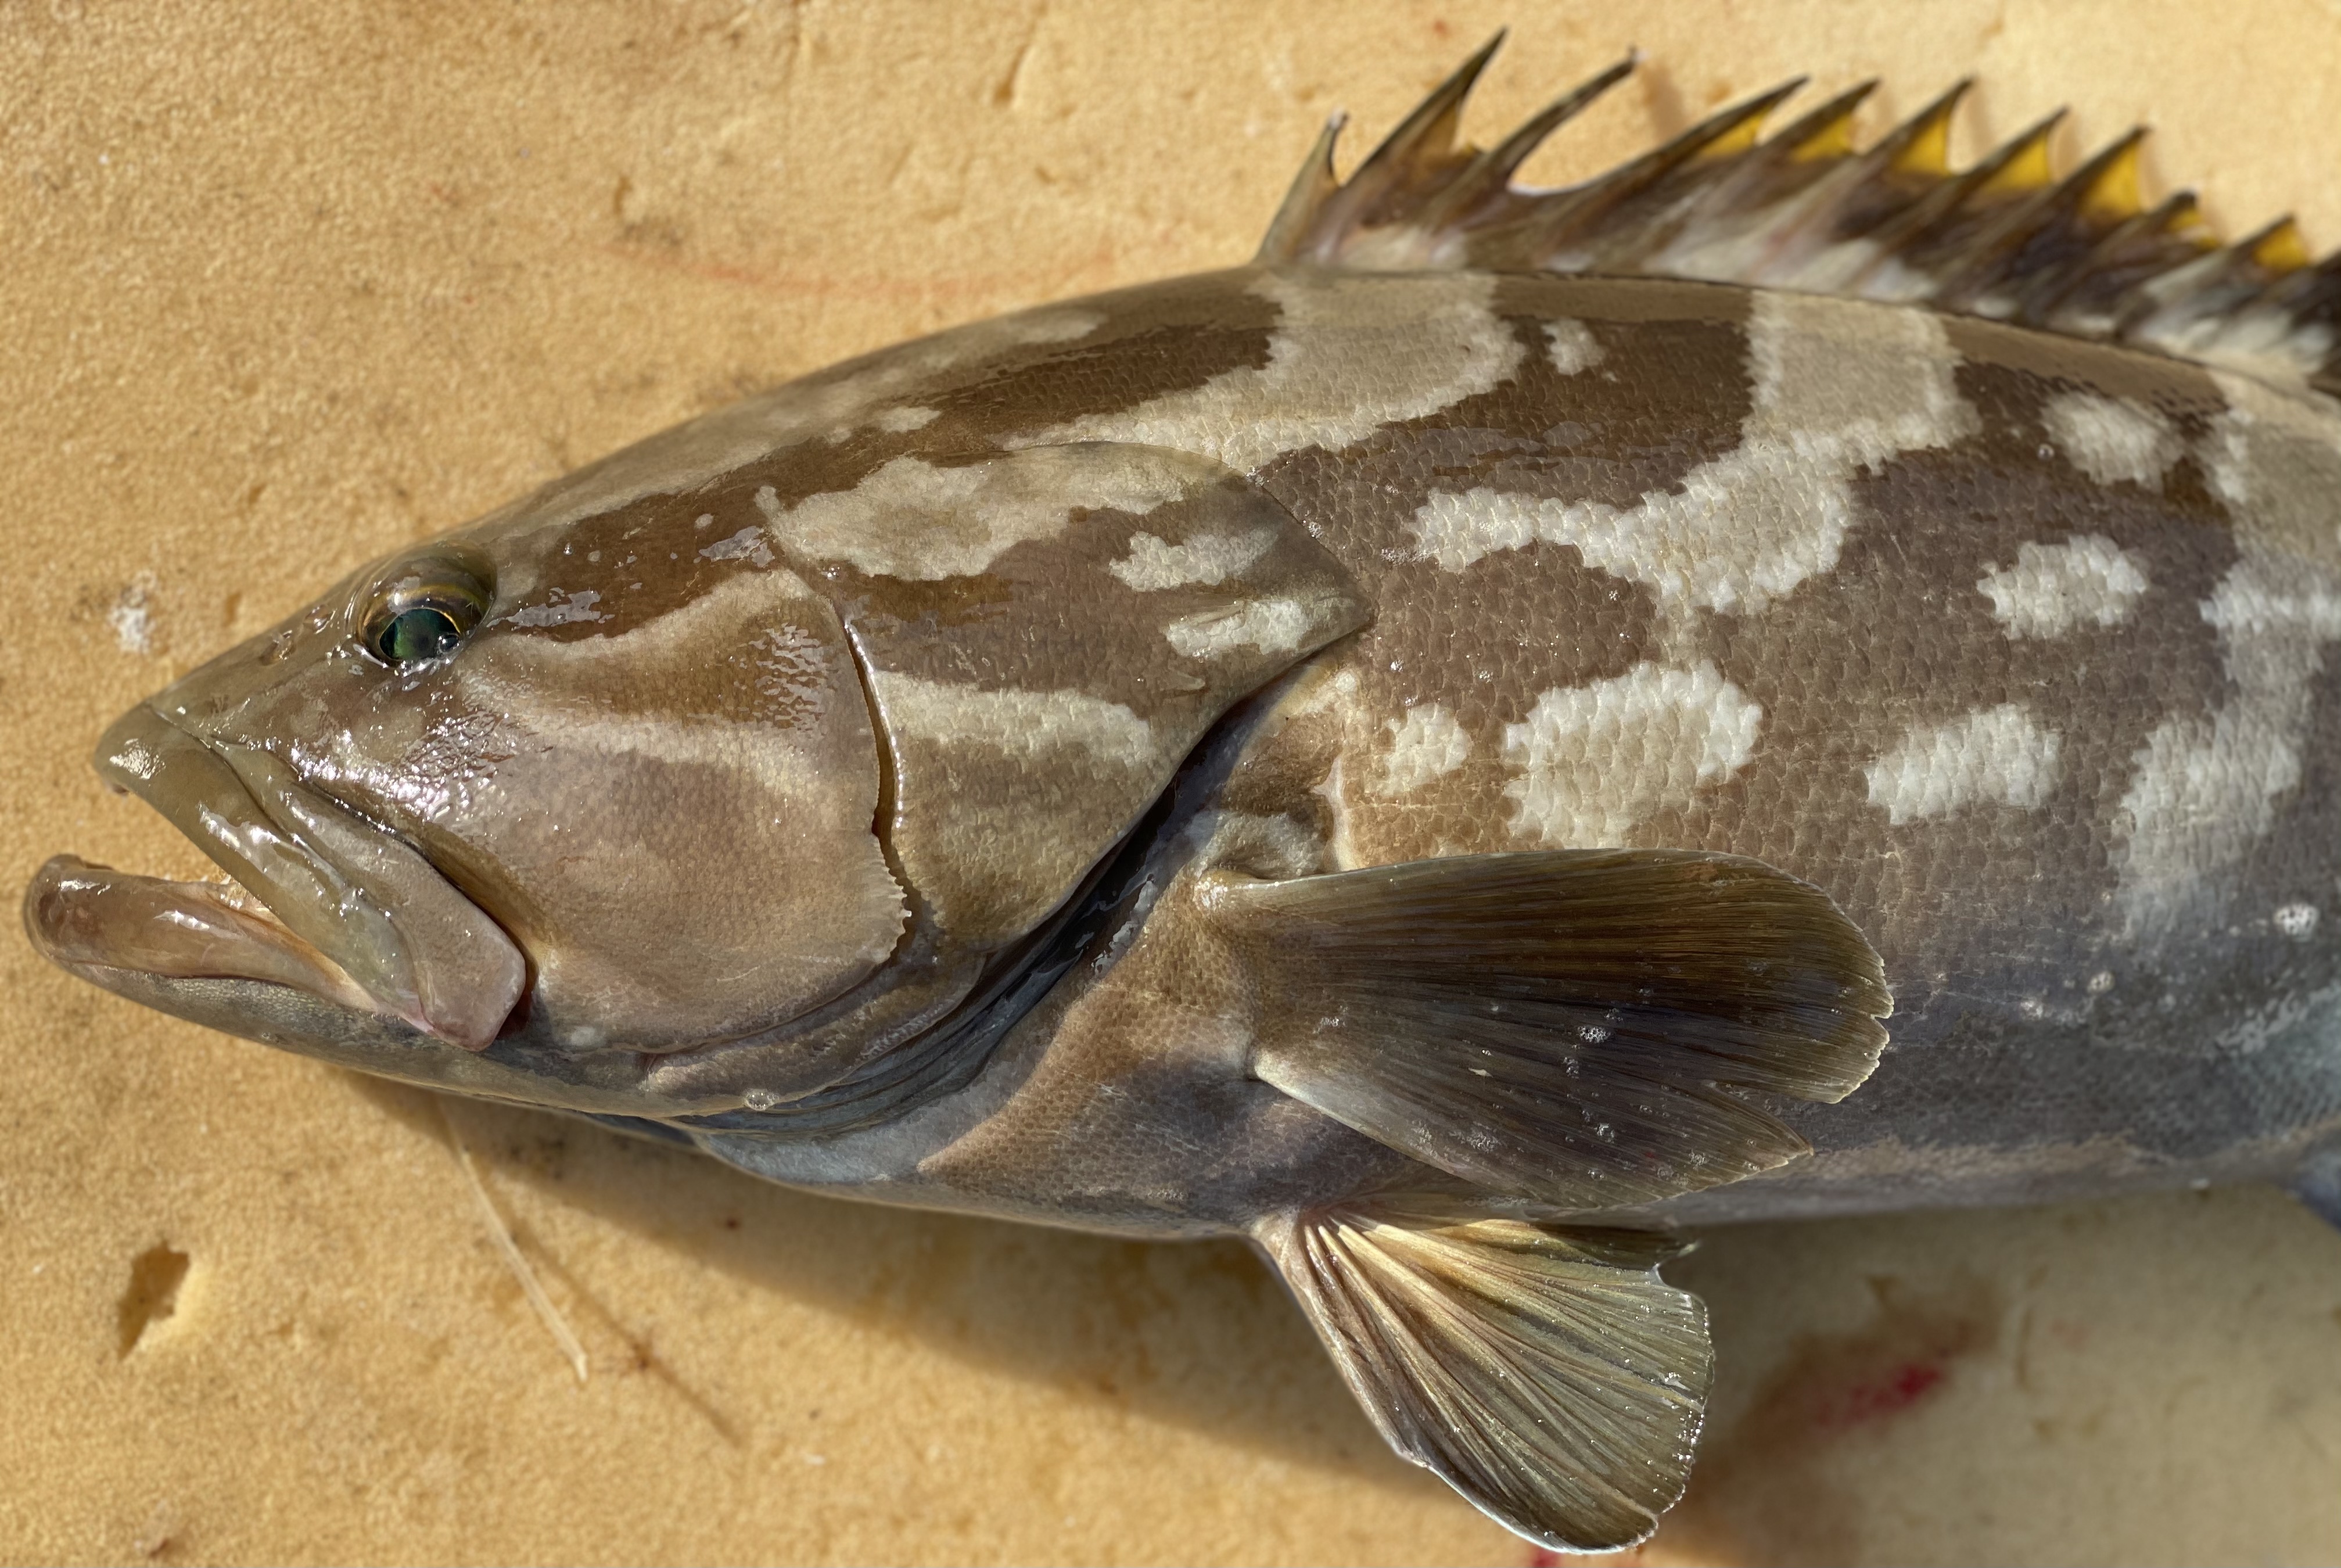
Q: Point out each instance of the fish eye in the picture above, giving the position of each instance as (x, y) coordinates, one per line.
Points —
(425, 612)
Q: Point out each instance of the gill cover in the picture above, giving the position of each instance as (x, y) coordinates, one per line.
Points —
(1045, 634)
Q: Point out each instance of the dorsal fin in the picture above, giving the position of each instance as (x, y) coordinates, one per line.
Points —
(2008, 238)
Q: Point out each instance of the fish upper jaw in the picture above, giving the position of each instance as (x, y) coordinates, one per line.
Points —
(344, 910)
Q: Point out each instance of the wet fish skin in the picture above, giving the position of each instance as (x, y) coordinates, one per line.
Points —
(2073, 1014)
(875, 776)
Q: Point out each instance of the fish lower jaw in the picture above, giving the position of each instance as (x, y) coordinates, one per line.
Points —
(84, 917)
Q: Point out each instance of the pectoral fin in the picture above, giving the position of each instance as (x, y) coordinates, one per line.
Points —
(1578, 1027)
(1548, 1374)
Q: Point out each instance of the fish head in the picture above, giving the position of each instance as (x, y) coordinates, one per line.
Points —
(534, 801)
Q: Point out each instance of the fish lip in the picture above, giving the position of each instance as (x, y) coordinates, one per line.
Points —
(103, 924)
(348, 912)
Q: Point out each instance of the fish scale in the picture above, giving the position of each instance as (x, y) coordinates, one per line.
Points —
(1435, 751)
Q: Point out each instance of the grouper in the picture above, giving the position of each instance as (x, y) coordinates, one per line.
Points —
(1786, 679)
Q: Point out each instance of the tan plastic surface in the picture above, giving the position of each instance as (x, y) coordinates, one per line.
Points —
(283, 286)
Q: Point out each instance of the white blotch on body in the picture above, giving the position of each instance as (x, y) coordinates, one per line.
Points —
(748, 545)
(1993, 755)
(919, 521)
(2112, 439)
(1596, 760)
(903, 421)
(1571, 346)
(2275, 461)
(2298, 921)
(1154, 564)
(1048, 325)
(562, 609)
(2205, 789)
(1347, 356)
(1840, 386)
(1277, 626)
(1427, 743)
(1022, 723)
(1333, 693)
(2052, 589)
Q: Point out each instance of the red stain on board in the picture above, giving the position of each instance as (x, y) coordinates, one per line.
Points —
(1764, 1488)
(1833, 1387)
(1873, 1398)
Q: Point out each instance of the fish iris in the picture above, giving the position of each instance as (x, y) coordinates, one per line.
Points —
(426, 609)
(418, 631)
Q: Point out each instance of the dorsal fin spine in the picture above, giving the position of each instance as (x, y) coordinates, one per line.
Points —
(2108, 185)
(1488, 180)
(1986, 182)
(1413, 155)
(1922, 145)
(2279, 247)
(1517, 148)
(2086, 299)
(1599, 198)
(1825, 134)
(1304, 203)
(2038, 242)
(1808, 210)
(2022, 166)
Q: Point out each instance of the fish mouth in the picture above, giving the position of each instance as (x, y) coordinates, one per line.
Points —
(325, 902)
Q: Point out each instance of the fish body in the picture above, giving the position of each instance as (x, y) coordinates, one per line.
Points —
(1432, 762)
(2019, 751)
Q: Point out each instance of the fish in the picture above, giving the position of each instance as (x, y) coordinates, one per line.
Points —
(1785, 679)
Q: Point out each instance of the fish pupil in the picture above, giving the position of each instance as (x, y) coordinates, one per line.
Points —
(420, 632)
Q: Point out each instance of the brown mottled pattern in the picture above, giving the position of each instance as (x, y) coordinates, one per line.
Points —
(611, 573)
(1666, 395)
(1097, 687)
(1899, 636)
(1051, 614)
(1153, 340)
(1995, 909)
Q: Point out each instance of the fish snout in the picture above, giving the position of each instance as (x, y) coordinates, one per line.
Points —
(345, 910)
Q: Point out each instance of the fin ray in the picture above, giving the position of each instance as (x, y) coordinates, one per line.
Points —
(2006, 237)
(1581, 1027)
(1549, 1374)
